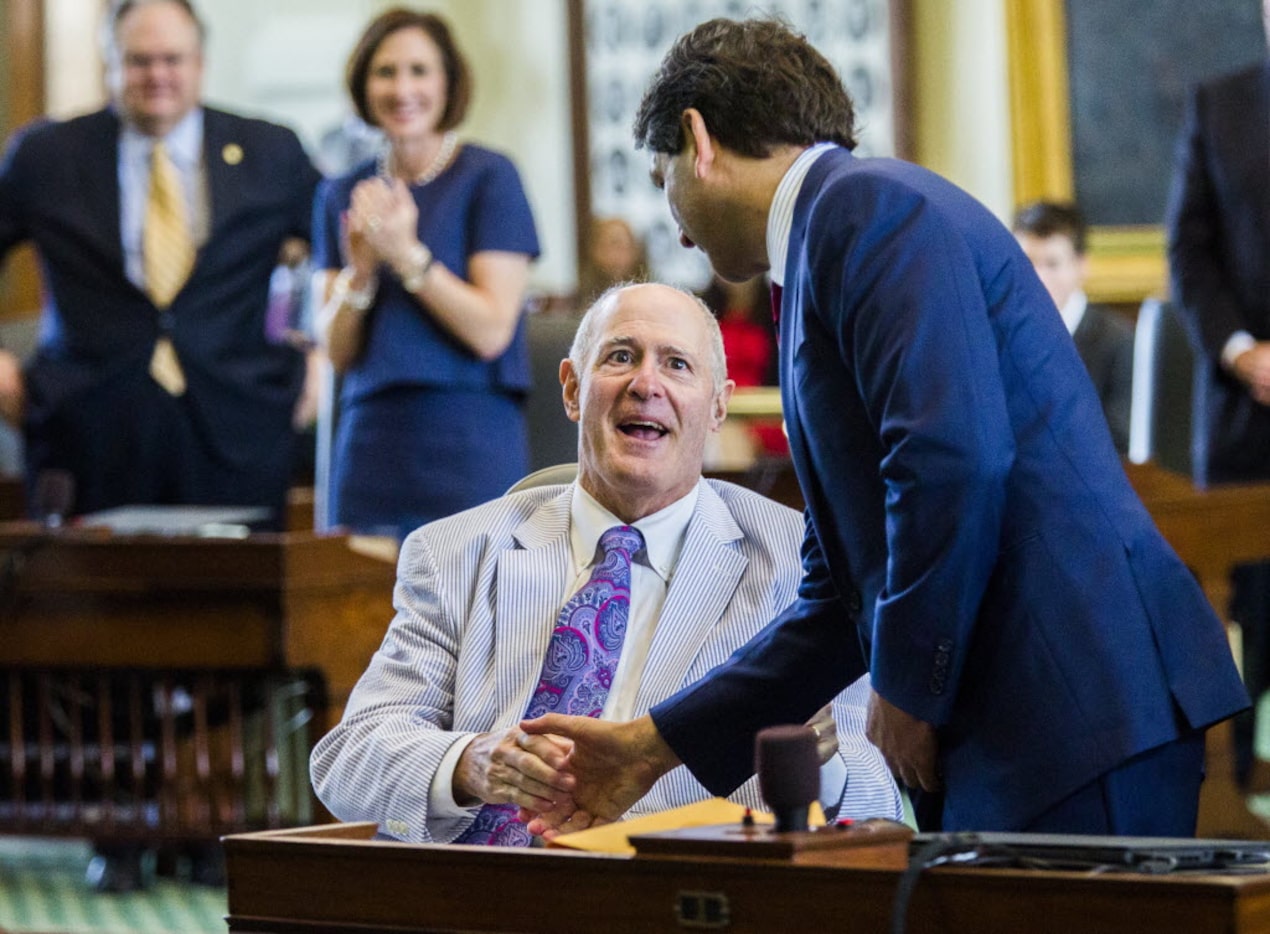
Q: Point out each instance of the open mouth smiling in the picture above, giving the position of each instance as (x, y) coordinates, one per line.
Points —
(643, 430)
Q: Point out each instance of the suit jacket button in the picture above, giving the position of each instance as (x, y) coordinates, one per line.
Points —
(944, 645)
(937, 684)
(854, 603)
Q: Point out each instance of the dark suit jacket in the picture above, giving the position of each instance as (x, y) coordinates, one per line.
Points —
(972, 537)
(59, 189)
(1104, 340)
(1219, 256)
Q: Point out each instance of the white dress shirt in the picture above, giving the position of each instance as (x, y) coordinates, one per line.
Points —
(651, 571)
(185, 149)
(780, 219)
(1073, 310)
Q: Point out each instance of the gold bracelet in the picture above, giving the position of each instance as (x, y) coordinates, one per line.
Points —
(358, 300)
(418, 263)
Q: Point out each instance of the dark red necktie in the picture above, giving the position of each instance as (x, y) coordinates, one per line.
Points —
(776, 306)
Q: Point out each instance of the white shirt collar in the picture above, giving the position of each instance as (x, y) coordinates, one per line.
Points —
(780, 219)
(1073, 310)
(663, 531)
(184, 142)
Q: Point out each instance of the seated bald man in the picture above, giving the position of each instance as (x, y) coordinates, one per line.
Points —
(669, 573)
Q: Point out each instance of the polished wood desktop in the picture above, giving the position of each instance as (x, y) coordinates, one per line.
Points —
(184, 649)
(335, 877)
(294, 600)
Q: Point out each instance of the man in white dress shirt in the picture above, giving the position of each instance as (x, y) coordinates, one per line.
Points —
(430, 732)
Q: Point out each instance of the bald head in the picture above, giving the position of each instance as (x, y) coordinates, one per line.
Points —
(646, 381)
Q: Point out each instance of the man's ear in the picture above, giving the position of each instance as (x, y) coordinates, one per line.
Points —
(571, 390)
(697, 137)
(721, 404)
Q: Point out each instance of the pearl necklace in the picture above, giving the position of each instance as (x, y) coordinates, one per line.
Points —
(449, 142)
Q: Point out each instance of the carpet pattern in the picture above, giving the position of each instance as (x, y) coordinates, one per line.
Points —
(42, 890)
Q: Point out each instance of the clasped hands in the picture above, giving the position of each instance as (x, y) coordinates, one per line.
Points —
(381, 224)
(569, 773)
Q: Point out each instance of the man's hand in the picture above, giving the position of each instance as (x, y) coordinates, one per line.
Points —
(1252, 368)
(826, 730)
(613, 765)
(908, 744)
(11, 391)
(509, 768)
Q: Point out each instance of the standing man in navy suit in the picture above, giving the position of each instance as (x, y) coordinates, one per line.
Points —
(211, 425)
(1041, 660)
(1219, 257)
(77, 190)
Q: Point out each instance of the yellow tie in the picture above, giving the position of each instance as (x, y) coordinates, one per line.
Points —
(168, 255)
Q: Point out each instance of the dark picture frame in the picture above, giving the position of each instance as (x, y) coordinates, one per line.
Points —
(1097, 93)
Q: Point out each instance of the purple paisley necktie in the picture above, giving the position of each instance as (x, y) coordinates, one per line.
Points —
(579, 667)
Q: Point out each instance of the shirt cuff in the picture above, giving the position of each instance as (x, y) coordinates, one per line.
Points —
(441, 803)
(1236, 344)
(833, 784)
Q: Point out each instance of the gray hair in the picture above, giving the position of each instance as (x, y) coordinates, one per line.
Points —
(585, 337)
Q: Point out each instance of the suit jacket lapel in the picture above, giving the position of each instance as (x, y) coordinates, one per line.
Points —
(222, 156)
(704, 583)
(98, 184)
(529, 586)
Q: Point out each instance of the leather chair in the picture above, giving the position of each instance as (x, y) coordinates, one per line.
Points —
(545, 476)
(553, 439)
(1163, 389)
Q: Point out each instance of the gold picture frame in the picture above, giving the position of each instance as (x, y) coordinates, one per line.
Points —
(1126, 263)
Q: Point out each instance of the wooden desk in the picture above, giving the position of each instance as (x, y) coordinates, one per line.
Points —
(335, 878)
(1212, 530)
(296, 600)
(160, 687)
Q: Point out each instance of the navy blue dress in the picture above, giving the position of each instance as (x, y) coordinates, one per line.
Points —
(426, 428)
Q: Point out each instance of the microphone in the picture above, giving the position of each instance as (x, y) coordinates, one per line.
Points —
(788, 768)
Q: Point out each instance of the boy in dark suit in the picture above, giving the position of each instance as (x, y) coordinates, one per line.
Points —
(1053, 236)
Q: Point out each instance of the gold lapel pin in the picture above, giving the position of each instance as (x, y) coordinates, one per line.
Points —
(232, 154)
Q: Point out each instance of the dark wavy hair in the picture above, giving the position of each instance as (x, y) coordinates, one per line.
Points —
(458, 77)
(757, 84)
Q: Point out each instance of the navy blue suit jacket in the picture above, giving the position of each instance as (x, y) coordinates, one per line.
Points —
(59, 189)
(972, 538)
(1219, 257)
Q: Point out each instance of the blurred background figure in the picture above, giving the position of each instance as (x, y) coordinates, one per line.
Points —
(614, 253)
(158, 222)
(423, 262)
(347, 144)
(744, 312)
(10, 413)
(1218, 226)
(1054, 237)
(154, 381)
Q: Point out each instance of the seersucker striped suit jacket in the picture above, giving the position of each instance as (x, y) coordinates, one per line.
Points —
(476, 599)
